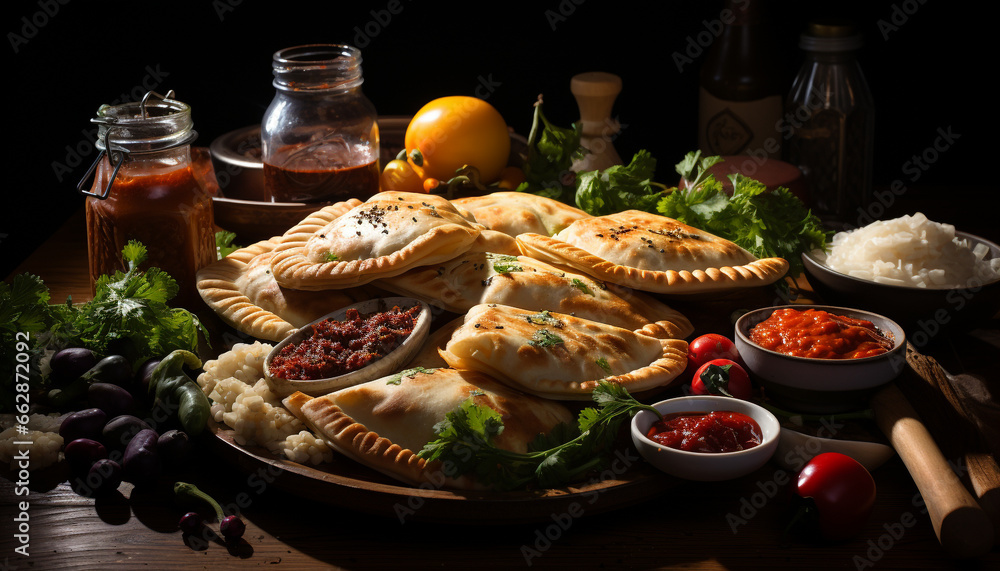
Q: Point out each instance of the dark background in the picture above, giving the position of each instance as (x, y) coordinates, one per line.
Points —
(925, 63)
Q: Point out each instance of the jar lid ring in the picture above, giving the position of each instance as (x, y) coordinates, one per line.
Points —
(117, 153)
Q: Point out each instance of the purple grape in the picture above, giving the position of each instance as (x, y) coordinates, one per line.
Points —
(190, 523)
(232, 527)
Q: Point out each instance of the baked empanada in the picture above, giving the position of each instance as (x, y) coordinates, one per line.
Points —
(652, 253)
(242, 292)
(559, 356)
(516, 213)
(384, 423)
(519, 281)
(385, 236)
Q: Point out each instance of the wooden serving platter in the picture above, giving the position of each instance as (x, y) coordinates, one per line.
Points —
(627, 481)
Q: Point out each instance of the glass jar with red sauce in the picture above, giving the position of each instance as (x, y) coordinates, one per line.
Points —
(146, 188)
(319, 136)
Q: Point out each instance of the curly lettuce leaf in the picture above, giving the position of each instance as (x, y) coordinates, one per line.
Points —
(766, 223)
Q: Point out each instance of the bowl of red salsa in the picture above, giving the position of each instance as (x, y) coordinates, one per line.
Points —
(354, 344)
(820, 358)
(706, 438)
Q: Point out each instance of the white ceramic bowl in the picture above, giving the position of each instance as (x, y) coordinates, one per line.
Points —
(821, 385)
(387, 365)
(700, 465)
(927, 314)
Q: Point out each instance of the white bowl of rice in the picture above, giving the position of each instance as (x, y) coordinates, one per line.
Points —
(926, 275)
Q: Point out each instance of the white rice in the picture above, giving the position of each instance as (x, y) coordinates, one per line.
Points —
(912, 251)
(242, 400)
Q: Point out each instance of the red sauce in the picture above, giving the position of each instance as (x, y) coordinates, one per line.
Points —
(338, 347)
(717, 431)
(324, 173)
(167, 208)
(820, 335)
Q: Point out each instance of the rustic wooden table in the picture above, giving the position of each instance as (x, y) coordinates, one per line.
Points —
(689, 525)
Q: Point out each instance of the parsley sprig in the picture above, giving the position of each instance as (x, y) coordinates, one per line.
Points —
(567, 454)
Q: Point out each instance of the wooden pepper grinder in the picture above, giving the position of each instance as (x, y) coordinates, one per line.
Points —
(595, 94)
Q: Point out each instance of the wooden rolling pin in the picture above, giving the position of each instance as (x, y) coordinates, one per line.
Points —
(961, 525)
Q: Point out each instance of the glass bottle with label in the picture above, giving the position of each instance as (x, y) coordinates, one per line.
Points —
(145, 188)
(830, 122)
(319, 136)
(741, 94)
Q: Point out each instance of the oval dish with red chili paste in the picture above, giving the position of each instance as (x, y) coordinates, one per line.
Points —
(358, 343)
(337, 347)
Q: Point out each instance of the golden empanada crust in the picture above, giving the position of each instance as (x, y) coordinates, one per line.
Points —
(517, 213)
(384, 423)
(384, 236)
(519, 281)
(242, 292)
(652, 253)
(560, 356)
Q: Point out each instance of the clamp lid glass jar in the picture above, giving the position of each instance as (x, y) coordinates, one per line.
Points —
(146, 189)
(319, 136)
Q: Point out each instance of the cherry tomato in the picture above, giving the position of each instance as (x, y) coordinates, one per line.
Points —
(449, 133)
(712, 346)
(510, 178)
(840, 493)
(399, 175)
(722, 377)
(431, 184)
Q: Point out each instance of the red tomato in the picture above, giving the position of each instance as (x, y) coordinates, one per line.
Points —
(722, 377)
(841, 491)
(712, 346)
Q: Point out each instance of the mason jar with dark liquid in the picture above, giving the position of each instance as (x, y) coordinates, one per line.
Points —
(319, 136)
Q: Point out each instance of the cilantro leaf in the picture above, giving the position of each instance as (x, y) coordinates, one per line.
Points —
(224, 243)
(132, 307)
(465, 443)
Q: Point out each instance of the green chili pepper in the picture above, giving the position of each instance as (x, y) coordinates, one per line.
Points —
(175, 391)
(194, 408)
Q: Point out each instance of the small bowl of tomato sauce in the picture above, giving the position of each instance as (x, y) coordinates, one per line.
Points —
(354, 344)
(820, 358)
(707, 437)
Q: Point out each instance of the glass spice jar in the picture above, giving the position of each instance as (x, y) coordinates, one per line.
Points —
(145, 188)
(319, 136)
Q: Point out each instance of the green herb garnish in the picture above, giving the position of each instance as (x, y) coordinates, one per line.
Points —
(398, 377)
(544, 318)
(545, 338)
(224, 243)
(578, 284)
(506, 264)
(565, 455)
(331, 257)
(603, 364)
